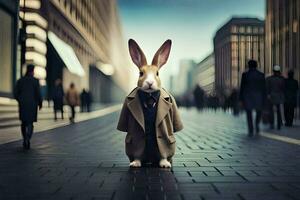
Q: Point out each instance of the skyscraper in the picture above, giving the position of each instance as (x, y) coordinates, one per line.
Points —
(283, 35)
(66, 38)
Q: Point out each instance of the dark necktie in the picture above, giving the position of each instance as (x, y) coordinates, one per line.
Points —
(150, 102)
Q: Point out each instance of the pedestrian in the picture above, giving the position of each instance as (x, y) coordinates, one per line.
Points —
(290, 103)
(58, 98)
(73, 100)
(89, 101)
(199, 94)
(234, 101)
(27, 93)
(85, 100)
(275, 85)
(252, 95)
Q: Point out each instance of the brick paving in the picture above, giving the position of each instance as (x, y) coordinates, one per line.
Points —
(214, 160)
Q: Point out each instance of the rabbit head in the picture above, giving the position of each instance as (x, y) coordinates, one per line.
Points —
(149, 80)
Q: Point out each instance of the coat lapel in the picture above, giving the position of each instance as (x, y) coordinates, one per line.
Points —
(135, 108)
(163, 106)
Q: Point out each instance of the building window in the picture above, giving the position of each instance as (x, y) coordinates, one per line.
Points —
(255, 30)
(295, 26)
(6, 43)
(249, 29)
(261, 30)
(234, 38)
(233, 29)
(242, 29)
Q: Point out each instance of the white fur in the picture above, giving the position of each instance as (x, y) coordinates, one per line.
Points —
(150, 84)
(135, 163)
(164, 163)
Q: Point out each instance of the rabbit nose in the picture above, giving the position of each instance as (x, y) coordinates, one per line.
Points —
(149, 83)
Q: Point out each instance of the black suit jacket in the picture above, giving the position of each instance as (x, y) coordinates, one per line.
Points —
(27, 93)
(253, 89)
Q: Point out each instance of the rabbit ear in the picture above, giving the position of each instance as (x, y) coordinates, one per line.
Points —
(136, 53)
(161, 56)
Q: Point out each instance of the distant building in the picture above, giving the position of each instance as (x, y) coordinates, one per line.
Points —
(239, 40)
(8, 46)
(183, 81)
(283, 35)
(204, 74)
(77, 41)
(171, 83)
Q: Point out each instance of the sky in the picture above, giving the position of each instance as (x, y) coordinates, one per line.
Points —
(190, 24)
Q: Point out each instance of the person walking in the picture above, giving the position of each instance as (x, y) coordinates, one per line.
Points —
(290, 103)
(275, 85)
(84, 100)
(252, 95)
(58, 99)
(234, 101)
(73, 100)
(27, 93)
(89, 101)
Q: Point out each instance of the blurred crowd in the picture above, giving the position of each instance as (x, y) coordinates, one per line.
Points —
(28, 94)
(71, 98)
(272, 97)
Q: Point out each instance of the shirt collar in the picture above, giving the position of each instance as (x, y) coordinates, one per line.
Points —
(145, 95)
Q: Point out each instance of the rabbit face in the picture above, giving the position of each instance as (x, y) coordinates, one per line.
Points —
(149, 80)
(149, 76)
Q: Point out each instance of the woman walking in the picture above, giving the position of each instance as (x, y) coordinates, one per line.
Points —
(72, 100)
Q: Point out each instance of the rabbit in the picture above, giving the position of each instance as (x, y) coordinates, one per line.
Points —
(149, 114)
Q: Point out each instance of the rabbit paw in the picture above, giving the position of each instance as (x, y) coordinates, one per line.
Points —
(135, 163)
(164, 163)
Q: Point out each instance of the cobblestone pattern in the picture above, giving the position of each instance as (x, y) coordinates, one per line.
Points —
(214, 160)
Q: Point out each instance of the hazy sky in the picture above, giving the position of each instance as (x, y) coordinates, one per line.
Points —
(191, 24)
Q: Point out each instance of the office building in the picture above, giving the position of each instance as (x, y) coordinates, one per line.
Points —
(8, 46)
(204, 74)
(183, 81)
(283, 35)
(239, 40)
(70, 39)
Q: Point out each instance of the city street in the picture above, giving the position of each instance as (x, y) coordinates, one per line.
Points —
(214, 160)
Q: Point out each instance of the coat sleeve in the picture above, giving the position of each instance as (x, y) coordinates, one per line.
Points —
(38, 94)
(267, 86)
(123, 120)
(177, 123)
(242, 88)
(17, 91)
(264, 88)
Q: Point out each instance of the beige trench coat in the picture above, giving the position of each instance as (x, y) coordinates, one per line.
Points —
(72, 97)
(167, 123)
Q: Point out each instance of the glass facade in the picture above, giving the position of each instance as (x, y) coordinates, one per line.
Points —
(6, 52)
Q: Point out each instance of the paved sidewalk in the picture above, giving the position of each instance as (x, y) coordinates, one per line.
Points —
(291, 132)
(47, 122)
(214, 160)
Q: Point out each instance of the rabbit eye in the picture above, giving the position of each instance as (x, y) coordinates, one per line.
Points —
(157, 74)
(141, 74)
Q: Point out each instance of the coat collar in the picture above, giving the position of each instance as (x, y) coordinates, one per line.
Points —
(135, 107)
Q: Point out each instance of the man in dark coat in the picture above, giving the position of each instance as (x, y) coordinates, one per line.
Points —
(58, 99)
(27, 93)
(252, 94)
(291, 90)
(86, 100)
(275, 86)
